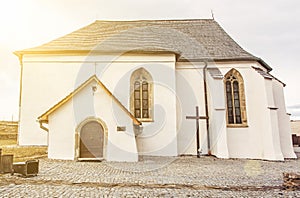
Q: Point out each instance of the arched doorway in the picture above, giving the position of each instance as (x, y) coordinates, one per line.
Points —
(91, 140)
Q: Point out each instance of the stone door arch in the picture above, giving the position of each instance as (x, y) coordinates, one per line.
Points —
(91, 139)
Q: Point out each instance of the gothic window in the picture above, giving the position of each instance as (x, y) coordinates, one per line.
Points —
(235, 99)
(141, 95)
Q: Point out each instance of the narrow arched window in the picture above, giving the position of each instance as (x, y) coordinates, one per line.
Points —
(141, 102)
(235, 99)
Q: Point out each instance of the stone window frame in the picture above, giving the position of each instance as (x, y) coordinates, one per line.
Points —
(141, 75)
(235, 76)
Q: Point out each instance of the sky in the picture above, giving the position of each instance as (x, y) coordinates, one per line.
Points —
(269, 29)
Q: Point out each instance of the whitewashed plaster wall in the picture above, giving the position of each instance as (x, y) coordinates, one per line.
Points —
(44, 84)
(271, 137)
(283, 121)
(48, 79)
(61, 135)
(189, 93)
(158, 137)
(217, 114)
(64, 122)
(260, 139)
(248, 142)
(56, 76)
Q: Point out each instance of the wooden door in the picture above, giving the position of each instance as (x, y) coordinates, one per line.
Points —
(91, 140)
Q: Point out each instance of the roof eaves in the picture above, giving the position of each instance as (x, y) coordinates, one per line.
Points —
(264, 64)
(278, 80)
(267, 75)
(36, 52)
(259, 60)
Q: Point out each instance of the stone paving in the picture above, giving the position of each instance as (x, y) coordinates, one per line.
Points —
(154, 177)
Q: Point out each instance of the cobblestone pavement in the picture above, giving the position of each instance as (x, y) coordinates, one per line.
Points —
(154, 177)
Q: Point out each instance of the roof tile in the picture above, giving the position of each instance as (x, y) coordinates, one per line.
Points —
(194, 39)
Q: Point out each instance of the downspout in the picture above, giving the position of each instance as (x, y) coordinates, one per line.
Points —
(44, 128)
(20, 94)
(206, 108)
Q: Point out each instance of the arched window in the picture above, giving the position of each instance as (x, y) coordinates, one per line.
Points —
(235, 99)
(141, 102)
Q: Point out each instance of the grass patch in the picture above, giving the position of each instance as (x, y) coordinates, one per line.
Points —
(5, 136)
(8, 133)
(23, 153)
(7, 142)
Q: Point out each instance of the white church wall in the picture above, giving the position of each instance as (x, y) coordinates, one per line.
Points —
(46, 80)
(271, 139)
(236, 137)
(49, 78)
(189, 89)
(243, 142)
(283, 121)
(120, 146)
(62, 133)
(159, 137)
(257, 114)
(44, 84)
(217, 114)
(255, 140)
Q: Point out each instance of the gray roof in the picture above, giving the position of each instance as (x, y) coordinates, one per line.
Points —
(267, 75)
(191, 40)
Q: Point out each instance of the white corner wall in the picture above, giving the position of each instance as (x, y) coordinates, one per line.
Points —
(259, 140)
(272, 148)
(283, 121)
(246, 142)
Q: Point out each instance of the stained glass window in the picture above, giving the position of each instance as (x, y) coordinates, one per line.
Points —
(141, 102)
(233, 91)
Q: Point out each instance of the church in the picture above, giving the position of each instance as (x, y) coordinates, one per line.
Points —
(117, 90)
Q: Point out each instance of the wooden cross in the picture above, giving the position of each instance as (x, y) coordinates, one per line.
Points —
(197, 118)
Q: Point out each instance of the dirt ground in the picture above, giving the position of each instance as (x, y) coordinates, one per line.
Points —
(8, 144)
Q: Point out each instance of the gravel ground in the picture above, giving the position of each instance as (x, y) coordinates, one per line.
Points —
(154, 177)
